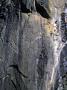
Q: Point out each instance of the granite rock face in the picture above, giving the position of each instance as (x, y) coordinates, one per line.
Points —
(26, 52)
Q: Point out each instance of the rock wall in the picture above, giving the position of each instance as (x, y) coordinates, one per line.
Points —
(26, 49)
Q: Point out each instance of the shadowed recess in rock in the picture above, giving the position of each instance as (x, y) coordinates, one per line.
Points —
(30, 6)
(41, 10)
(17, 68)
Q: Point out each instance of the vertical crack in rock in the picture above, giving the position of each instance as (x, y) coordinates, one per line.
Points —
(41, 67)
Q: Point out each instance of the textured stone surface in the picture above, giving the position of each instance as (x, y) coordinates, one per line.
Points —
(27, 51)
